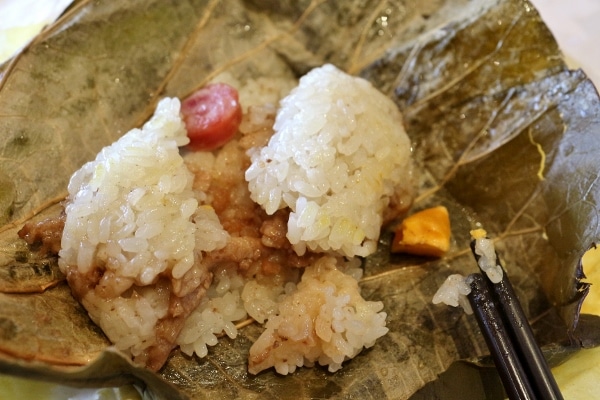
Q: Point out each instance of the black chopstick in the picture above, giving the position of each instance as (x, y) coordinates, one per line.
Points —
(534, 380)
(505, 356)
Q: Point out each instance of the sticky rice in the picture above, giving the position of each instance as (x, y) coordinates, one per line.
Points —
(134, 234)
(169, 249)
(336, 160)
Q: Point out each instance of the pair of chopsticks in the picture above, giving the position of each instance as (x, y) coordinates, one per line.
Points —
(524, 372)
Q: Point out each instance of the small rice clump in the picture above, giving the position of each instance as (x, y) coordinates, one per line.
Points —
(216, 314)
(324, 320)
(338, 154)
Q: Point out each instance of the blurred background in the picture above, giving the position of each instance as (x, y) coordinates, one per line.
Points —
(576, 26)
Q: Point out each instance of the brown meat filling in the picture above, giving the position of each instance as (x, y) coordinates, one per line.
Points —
(46, 234)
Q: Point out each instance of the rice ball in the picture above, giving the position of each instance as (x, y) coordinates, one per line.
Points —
(338, 158)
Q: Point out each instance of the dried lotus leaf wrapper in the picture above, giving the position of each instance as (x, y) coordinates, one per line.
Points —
(446, 106)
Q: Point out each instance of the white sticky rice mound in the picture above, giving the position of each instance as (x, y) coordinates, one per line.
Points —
(127, 206)
(338, 154)
(324, 319)
(132, 214)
